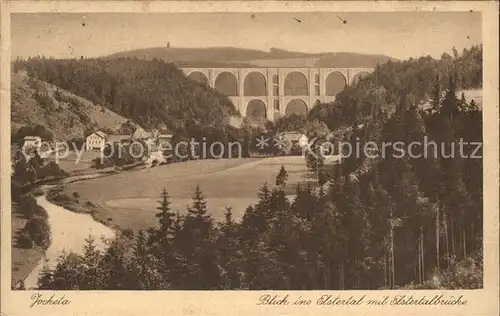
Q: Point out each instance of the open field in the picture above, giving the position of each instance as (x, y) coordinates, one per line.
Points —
(74, 164)
(129, 199)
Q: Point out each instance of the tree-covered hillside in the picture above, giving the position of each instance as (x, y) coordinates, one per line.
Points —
(240, 57)
(150, 93)
(413, 78)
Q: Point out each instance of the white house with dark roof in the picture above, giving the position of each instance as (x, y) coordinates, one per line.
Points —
(32, 142)
(295, 138)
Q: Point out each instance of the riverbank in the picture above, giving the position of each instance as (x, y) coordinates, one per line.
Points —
(23, 260)
(69, 233)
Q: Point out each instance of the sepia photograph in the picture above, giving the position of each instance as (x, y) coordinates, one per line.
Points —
(247, 151)
(229, 157)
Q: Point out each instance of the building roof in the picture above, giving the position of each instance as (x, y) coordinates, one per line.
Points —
(165, 136)
(32, 138)
(293, 136)
(141, 133)
(100, 134)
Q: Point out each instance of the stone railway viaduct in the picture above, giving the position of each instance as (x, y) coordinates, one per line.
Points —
(274, 92)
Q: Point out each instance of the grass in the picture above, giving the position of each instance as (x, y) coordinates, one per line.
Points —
(129, 199)
(74, 165)
(23, 260)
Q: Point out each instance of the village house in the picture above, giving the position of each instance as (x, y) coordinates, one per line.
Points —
(140, 133)
(96, 140)
(296, 139)
(163, 138)
(32, 142)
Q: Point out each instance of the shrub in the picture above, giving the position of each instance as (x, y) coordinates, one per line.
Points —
(58, 95)
(76, 142)
(24, 240)
(61, 198)
(15, 190)
(28, 206)
(43, 98)
(37, 192)
(39, 231)
(129, 233)
(76, 195)
(52, 169)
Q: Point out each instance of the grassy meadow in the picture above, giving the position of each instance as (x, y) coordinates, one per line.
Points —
(129, 199)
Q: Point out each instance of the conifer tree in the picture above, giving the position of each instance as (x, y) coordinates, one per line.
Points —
(282, 177)
(436, 95)
(198, 217)
(165, 216)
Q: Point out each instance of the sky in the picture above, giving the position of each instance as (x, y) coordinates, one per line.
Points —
(397, 34)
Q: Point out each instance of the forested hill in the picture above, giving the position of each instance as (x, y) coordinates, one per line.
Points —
(150, 93)
(240, 57)
(414, 79)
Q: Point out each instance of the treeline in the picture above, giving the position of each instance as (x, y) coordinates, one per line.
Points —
(414, 77)
(150, 93)
(328, 241)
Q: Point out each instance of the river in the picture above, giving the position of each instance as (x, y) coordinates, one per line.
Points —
(69, 231)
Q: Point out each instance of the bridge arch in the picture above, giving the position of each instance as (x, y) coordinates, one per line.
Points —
(255, 84)
(256, 110)
(296, 106)
(360, 75)
(335, 83)
(227, 84)
(296, 84)
(199, 77)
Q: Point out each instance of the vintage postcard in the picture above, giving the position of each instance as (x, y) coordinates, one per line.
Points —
(225, 158)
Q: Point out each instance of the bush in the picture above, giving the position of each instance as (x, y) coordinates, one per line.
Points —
(28, 206)
(15, 190)
(128, 233)
(76, 195)
(24, 240)
(39, 231)
(76, 142)
(52, 169)
(58, 95)
(61, 197)
(37, 192)
(43, 98)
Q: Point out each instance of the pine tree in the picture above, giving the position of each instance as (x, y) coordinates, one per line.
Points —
(165, 216)
(198, 217)
(462, 105)
(92, 274)
(198, 248)
(144, 267)
(46, 278)
(450, 105)
(436, 95)
(282, 177)
(227, 252)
